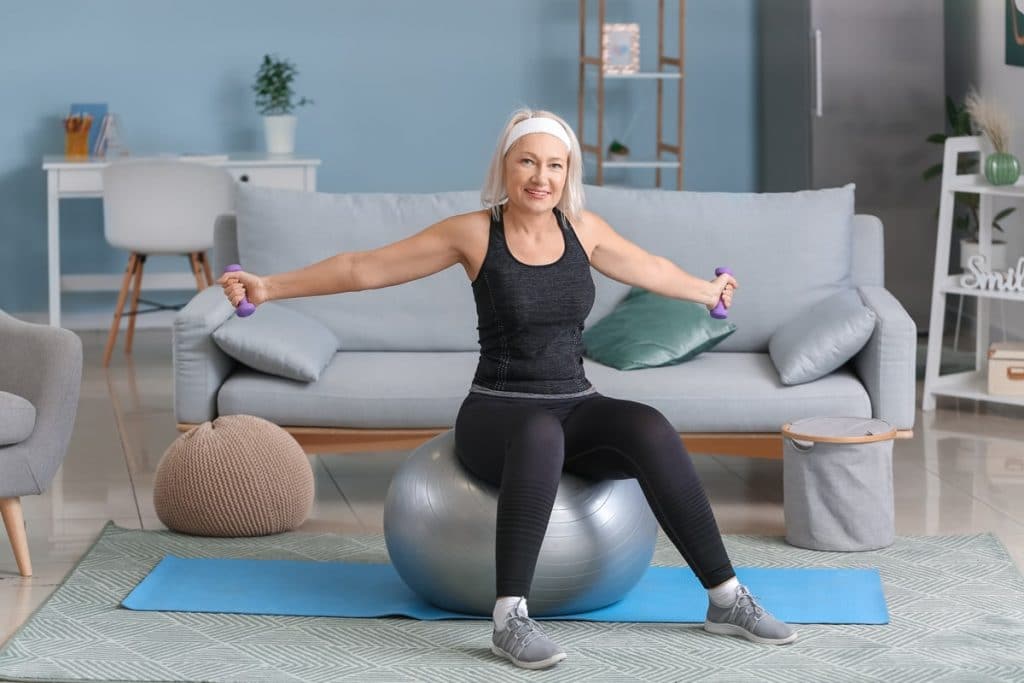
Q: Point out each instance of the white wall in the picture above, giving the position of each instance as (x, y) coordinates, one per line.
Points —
(975, 55)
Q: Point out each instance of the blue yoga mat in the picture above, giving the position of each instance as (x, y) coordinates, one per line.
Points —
(340, 589)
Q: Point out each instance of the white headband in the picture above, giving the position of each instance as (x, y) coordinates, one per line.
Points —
(538, 124)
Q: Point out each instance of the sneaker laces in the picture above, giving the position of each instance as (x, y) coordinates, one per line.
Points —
(747, 605)
(524, 630)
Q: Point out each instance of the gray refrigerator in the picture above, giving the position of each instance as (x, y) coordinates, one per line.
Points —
(848, 92)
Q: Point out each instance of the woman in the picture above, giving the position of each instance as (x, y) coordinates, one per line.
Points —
(531, 413)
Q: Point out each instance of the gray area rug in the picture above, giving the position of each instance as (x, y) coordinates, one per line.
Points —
(956, 602)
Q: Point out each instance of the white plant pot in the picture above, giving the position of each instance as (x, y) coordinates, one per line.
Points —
(998, 261)
(280, 134)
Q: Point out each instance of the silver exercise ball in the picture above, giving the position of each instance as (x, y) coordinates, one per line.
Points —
(439, 526)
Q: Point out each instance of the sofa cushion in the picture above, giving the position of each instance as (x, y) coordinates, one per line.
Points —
(17, 418)
(732, 392)
(715, 392)
(279, 341)
(788, 250)
(648, 330)
(280, 230)
(816, 341)
(359, 389)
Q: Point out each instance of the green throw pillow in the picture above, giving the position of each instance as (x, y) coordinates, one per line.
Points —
(647, 330)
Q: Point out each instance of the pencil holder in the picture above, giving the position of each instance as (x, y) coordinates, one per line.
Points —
(76, 136)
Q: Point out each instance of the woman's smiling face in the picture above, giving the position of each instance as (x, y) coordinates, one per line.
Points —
(535, 172)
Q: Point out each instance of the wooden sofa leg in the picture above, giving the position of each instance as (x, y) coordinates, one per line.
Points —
(14, 522)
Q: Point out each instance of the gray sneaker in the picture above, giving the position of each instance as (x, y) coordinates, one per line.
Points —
(523, 643)
(748, 619)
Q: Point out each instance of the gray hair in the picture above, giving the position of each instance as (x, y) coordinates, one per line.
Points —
(493, 194)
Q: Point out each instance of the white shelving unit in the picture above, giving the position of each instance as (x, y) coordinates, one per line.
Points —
(972, 384)
(670, 68)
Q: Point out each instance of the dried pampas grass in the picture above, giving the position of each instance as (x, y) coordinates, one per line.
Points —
(991, 121)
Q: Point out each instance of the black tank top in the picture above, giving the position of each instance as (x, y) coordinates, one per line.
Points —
(530, 319)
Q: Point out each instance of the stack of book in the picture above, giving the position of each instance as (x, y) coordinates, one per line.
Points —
(104, 136)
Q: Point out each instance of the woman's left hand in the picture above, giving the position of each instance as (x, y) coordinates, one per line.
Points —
(725, 285)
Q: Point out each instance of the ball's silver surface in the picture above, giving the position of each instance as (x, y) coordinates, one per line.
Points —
(439, 526)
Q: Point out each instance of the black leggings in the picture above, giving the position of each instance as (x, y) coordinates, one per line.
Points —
(522, 445)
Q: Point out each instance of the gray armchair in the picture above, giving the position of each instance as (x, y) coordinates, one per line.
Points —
(40, 377)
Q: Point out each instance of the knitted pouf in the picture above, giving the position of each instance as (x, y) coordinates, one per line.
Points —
(236, 476)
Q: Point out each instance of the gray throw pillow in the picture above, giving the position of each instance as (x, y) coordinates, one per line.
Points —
(821, 338)
(278, 341)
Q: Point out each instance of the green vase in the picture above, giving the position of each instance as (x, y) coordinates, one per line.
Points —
(1002, 168)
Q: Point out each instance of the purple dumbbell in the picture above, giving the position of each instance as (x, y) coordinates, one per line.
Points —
(719, 310)
(244, 309)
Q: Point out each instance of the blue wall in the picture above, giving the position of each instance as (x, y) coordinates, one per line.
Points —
(410, 96)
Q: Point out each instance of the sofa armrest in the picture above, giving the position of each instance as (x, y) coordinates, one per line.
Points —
(200, 367)
(887, 363)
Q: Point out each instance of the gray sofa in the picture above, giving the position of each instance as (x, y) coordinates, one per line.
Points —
(407, 354)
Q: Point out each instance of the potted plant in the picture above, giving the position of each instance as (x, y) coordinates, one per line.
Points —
(966, 222)
(1001, 167)
(617, 151)
(275, 99)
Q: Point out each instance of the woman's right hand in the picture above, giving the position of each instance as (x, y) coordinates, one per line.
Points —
(240, 285)
(725, 284)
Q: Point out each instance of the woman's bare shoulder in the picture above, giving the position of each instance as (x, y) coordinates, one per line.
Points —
(590, 221)
(466, 229)
(464, 226)
(590, 229)
(467, 233)
(471, 221)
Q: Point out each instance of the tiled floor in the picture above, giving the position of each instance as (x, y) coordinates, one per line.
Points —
(962, 472)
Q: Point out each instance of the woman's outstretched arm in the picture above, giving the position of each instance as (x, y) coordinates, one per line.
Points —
(622, 260)
(427, 252)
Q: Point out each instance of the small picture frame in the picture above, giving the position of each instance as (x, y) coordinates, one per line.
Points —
(1014, 32)
(620, 48)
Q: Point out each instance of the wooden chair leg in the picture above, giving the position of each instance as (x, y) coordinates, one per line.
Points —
(14, 522)
(140, 264)
(197, 271)
(112, 337)
(206, 268)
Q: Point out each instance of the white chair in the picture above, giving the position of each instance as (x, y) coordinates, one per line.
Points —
(160, 206)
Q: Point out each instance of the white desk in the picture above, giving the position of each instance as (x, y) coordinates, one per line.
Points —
(73, 179)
